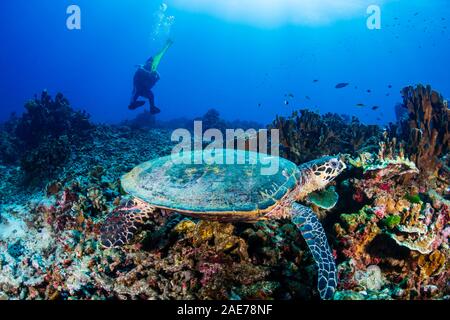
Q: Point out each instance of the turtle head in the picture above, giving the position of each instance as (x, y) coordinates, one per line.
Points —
(324, 170)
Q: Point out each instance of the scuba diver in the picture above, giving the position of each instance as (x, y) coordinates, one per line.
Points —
(145, 78)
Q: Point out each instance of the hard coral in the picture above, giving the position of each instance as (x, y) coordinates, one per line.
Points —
(51, 118)
(306, 135)
(45, 134)
(426, 130)
(325, 199)
(389, 161)
(431, 264)
(44, 161)
(8, 152)
(423, 228)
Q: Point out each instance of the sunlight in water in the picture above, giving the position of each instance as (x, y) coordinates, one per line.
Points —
(277, 12)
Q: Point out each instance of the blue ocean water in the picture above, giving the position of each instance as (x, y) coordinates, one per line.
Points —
(234, 62)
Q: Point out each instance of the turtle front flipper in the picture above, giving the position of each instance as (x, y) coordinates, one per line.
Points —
(124, 223)
(311, 228)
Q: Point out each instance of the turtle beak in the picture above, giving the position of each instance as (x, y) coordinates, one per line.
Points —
(342, 166)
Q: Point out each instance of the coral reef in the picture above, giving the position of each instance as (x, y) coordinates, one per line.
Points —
(426, 129)
(403, 229)
(306, 135)
(409, 264)
(8, 154)
(48, 244)
(142, 121)
(47, 118)
(43, 137)
(58, 257)
(389, 230)
(210, 120)
(46, 159)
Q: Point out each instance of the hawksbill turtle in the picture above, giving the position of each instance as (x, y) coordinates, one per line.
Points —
(236, 192)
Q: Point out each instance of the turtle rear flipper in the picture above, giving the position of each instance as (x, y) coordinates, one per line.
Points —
(312, 231)
(122, 225)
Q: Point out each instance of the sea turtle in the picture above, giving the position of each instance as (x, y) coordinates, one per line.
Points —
(239, 190)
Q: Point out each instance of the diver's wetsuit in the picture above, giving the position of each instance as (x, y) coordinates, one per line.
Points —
(144, 80)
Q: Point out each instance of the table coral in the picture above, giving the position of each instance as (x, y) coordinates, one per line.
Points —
(325, 199)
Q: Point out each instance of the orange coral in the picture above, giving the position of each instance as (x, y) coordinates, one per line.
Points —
(431, 264)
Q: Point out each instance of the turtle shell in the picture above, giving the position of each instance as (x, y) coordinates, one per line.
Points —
(216, 184)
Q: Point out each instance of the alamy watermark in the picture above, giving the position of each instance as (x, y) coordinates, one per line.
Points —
(374, 19)
(213, 146)
(73, 21)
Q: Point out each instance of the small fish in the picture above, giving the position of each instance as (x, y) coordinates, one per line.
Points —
(315, 80)
(341, 85)
(388, 94)
(375, 108)
(360, 105)
(369, 91)
(390, 86)
(308, 98)
(259, 104)
(286, 102)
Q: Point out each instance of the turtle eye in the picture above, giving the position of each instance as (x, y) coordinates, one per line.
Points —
(334, 163)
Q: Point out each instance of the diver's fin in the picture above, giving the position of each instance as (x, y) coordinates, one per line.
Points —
(157, 59)
(124, 223)
(155, 110)
(135, 105)
(306, 220)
